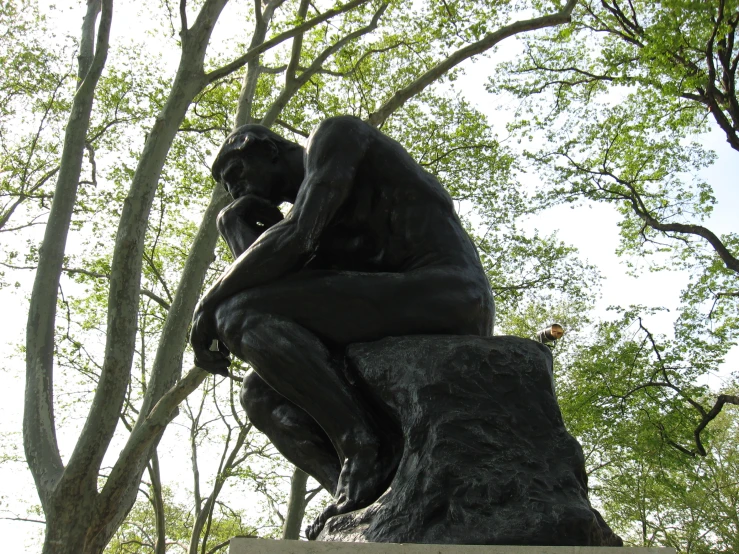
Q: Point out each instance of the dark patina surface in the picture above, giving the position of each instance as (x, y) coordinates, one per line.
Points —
(486, 456)
(372, 248)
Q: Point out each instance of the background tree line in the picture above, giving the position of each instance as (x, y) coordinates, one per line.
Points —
(108, 208)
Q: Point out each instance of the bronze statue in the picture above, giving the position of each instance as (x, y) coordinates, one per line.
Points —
(371, 248)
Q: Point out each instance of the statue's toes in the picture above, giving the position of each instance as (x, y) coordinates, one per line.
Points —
(356, 490)
(312, 531)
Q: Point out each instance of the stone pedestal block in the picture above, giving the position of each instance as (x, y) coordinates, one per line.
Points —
(486, 456)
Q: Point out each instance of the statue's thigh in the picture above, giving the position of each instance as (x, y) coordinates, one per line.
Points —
(345, 307)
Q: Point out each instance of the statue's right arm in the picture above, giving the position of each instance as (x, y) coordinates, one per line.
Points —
(334, 152)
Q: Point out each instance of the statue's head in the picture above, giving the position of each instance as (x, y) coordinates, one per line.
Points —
(255, 161)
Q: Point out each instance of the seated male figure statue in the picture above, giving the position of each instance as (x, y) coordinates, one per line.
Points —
(371, 248)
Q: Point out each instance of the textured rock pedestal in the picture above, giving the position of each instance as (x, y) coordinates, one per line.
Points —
(486, 459)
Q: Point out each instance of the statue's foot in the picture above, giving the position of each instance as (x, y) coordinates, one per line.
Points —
(363, 479)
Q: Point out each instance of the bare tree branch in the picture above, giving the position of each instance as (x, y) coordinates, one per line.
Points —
(634, 198)
(241, 61)
(84, 59)
(157, 502)
(297, 46)
(718, 245)
(219, 546)
(156, 298)
(403, 95)
(183, 17)
(147, 431)
(706, 415)
(27, 520)
(8, 212)
(286, 125)
(722, 400)
(293, 84)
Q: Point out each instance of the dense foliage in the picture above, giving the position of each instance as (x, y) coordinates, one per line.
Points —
(616, 103)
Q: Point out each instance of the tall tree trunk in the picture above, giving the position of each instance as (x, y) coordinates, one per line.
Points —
(65, 530)
(87, 40)
(73, 489)
(295, 506)
(119, 492)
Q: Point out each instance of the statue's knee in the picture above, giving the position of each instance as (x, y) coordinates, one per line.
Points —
(228, 324)
(234, 317)
(476, 309)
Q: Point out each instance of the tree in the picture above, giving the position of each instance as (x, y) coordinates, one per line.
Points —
(634, 401)
(161, 522)
(89, 525)
(83, 513)
(28, 161)
(621, 96)
(613, 108)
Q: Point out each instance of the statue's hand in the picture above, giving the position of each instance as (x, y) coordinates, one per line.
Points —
(255, 211)
(202, 337)
(244, 220)
(261, 213)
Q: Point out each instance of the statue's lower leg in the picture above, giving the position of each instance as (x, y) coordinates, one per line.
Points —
(292, 431)
(296, 364)
(366, 474)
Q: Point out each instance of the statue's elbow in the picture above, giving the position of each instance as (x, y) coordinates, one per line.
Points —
(221, 225)
(300, 243)
(225, 220)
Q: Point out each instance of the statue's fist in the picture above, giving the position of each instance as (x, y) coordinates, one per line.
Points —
(256, 212)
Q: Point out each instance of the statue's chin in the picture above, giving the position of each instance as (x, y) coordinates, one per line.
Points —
(257, 196)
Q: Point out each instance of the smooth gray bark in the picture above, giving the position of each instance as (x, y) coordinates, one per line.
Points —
(65, 528)
(119, 492)
(249, 87)
(73, 489)
(296, 504)
(39, 431)
(87, 40)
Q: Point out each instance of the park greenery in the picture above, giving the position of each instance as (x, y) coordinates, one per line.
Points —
(108, 126)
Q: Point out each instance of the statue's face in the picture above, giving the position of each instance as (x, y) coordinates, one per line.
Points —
(251, 164)
(242, 178)
(252, 172)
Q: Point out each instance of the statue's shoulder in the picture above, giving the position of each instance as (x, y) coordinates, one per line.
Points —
(345, 137)
(342, 124)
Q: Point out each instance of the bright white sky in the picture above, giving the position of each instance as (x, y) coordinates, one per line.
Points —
(592, 230)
